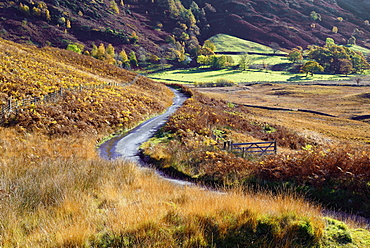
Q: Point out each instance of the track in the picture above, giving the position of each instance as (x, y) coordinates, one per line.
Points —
(127, 146)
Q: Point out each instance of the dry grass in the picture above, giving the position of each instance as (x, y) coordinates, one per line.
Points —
(57, 193)
(341, 101)
(329, 162)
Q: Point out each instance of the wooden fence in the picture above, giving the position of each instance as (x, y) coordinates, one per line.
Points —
(12, 106)
(257, 148)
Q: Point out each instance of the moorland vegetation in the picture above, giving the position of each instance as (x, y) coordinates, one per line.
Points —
(56, 191)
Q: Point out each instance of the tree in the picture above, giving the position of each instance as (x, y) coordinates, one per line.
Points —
(295, 55)
(154, 58)
(203, 60)
(345, 66)
(133, 59)
(352, 40)
(329, 41)
(78, 48)
(110, 50)
(330, 56)
(219, 62)
(68, 23)
(123, 57)
(25, 9)
(114, 6)
(311, 67)
(94, 51)
(134, 38)
(205, 51)
(244, 62)
(36, 11)
(47, 15)
(209, 44)
(358, 80)
(274, 46)
(101, 52)
(315, 16)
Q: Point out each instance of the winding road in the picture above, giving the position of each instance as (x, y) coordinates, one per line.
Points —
(126, 146)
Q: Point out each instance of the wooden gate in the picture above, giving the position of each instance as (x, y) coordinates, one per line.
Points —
(258, 148)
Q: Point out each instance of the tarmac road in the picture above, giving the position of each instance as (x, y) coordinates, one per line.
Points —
(127, 146)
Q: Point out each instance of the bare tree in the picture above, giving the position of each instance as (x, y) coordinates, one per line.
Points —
(358, 80)
(274, 46)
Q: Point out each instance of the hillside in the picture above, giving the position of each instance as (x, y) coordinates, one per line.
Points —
(61, 92)
(285, 23)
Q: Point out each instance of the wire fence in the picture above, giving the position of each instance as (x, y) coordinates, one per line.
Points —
(13, 106)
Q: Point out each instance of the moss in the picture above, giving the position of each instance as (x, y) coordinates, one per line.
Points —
(336, 233)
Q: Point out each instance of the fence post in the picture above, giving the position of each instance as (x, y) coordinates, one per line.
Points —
(10, 104)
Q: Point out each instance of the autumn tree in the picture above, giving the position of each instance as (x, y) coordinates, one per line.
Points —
(132, 59)
(94, 51)
(296, 54)
(311, 67)
(331, 55)
(25, 9)
(315, 16)
(133, 38)
(76, 47)
(110, 50)
(101, 52)
(123, 58)
(210, 45)
(345, 66)
(114, 6)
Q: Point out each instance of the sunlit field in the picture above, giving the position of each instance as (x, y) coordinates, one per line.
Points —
(250, 75)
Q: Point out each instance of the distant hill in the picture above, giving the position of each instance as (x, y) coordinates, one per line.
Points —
(292, 22)
(287, 23)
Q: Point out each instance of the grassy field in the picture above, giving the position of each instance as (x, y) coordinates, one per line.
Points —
(341, 101)
(190, 76)
(228, 43)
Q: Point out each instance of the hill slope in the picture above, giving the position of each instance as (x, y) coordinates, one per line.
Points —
(61, 92)
(287, 23)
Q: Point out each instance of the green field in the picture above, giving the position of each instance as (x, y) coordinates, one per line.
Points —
(228, 43)
(357, 48)
(262, 59)
(207, 75)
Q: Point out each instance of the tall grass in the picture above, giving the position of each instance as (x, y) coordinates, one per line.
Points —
(58, 193)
